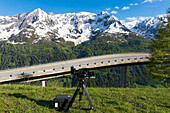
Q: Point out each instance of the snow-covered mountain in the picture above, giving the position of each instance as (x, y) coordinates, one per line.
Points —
(147, 28)
(76, 27)
(130, 24)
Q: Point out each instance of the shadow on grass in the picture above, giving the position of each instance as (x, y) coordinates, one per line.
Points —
(44, 103)
(164, 106)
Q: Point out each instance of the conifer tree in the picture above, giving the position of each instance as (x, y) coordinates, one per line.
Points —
(160, 50)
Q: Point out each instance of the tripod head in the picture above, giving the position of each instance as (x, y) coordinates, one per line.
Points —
(82, 73)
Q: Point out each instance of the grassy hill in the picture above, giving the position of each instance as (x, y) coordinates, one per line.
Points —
(22, 98)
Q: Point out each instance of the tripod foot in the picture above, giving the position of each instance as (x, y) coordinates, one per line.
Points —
(93, 109)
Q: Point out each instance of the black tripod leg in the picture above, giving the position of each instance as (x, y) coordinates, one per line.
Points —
(88, 97)
(72, 100)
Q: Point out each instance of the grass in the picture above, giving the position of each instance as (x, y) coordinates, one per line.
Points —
(22, 98)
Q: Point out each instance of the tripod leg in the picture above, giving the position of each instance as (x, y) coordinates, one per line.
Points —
(88, 97)
(72, 100)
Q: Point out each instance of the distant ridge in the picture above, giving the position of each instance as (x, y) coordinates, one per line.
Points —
(79, 27)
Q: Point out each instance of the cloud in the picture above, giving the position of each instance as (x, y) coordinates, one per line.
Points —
(114, 12)
(107, 9)
(126, 8)
(141, 18)
(116, 7)
(150, 1)
(131, 18)
(134, 4)
(144, 18)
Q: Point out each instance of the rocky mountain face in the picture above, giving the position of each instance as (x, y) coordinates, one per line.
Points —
(148, 27)
(76, 27)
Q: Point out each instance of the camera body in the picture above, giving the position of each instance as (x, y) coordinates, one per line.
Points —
(81, 73)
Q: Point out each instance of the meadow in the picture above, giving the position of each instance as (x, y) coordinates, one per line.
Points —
(36, 99)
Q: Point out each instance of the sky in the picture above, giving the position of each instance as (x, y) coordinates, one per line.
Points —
(127, 10)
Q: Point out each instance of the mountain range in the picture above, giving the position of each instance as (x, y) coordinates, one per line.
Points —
(148, 28)
(79, 27)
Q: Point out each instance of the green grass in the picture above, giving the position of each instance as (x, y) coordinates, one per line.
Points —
(22, 98)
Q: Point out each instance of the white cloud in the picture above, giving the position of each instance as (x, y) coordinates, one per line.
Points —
(114, 12)
(136, 4)
(150, 1)
(116, 7)
(131, 18)
(107, 9)
(126, 8)
(143, 18)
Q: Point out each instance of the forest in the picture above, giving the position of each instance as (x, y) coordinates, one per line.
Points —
(19, 55)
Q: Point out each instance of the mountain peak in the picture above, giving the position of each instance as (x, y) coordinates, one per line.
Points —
(104, 13)
(112, 16)
(38, 10)
(37, 14)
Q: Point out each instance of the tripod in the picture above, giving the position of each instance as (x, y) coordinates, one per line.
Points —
(83, 87)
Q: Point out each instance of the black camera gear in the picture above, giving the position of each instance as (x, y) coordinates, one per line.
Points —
(64, 102)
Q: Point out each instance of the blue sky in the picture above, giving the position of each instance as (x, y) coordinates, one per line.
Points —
(122, 9)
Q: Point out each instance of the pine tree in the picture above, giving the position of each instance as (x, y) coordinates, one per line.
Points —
(160, 51)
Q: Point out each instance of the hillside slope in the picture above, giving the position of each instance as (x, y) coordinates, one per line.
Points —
(19, 98)
(13, 56)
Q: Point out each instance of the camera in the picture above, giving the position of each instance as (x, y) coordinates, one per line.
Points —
(81, 73)
(64, 102)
